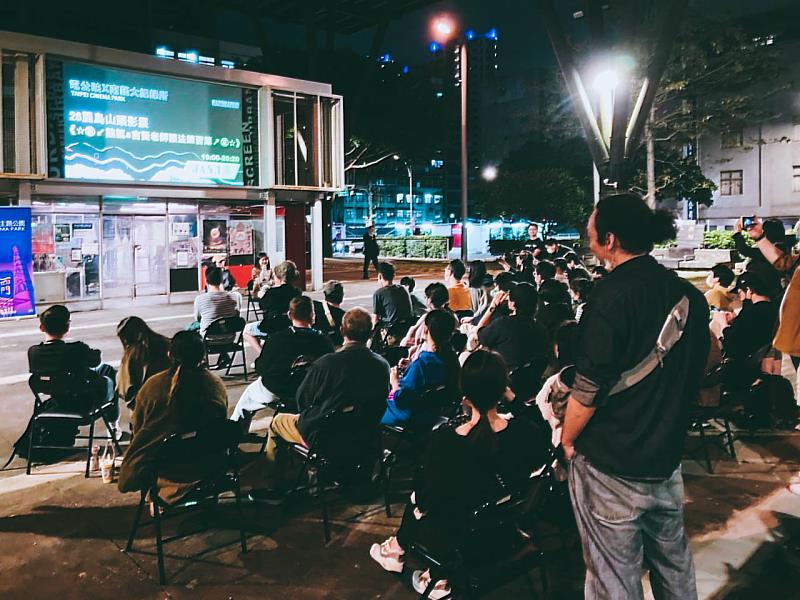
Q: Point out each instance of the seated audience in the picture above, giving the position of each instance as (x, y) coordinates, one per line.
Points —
(562, 271)
(185, 398)
(554, 307)
(417, 306)
(436, 365)
(553, 250)
(552, 398)
(436, 297)
(352, 376)
(742, 336)
(328, 314)
(773, 230)
(459, 294)
(390, 303)
(719, 294)
(274, 305)
(55, 355)
(282, 353)
(579, 290)
(478, 296)
(543, 271)
(518, 338)
(228, 281)
(144, 353)
(465, 467)
(261, 277)
(214, 304)
(598, 272)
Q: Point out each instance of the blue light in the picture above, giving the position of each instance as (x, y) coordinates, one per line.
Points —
(434, 47)
(405, 69)
(469, 34)
(491, 34)
(385, 58)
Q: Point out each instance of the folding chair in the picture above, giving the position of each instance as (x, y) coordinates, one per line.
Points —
(226, 336)
(213, 450)
(471, 578)
(345, 451)
(411, 439)
(66, 390)
(526, 379)
(252, 304)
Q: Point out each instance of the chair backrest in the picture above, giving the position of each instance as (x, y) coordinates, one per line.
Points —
(349, 436)
(57, 384)
(440, 401)
(526, 379)
(207, 450)
(226, 326)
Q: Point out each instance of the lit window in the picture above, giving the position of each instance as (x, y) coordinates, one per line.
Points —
(796, 178)
(730, 183)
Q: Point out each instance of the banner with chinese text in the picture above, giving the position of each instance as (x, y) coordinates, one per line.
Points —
(16, 265)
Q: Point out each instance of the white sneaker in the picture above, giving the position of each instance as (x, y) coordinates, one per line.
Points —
(389, 559)
(421, 579)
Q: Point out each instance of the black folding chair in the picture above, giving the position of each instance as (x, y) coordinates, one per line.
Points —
(62, 397)
(252, 304)
(526, 379)
(225, 336)
(213, 451)
(473, 578)
(407, 442)
(345, 452)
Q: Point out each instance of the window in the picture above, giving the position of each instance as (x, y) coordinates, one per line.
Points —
(730, 183)
(796, 178)
(732, 139)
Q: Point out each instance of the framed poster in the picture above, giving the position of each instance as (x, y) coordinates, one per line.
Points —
(16, 263)
(62, 233)
(215, 236)
(241, 238)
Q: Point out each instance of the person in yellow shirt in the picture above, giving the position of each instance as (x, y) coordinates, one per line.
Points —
(719, 281)
(459, 293)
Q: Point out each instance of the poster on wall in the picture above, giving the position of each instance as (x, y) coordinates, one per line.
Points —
(61, 233)
(16, 264)
(183, 252)
(215, 236)
(241, 238)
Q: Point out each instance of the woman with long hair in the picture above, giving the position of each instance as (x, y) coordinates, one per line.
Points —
(261, 277)
(466, 465)
(144, 353)
(187, 397)
(436, 365)
(477, 291)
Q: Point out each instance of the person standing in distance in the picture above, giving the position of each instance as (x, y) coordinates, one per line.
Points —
(624, 440)
(371, 250)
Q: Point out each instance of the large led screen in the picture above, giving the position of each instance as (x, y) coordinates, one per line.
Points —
(121, 125)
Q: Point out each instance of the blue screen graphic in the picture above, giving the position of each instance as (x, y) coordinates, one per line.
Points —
(126, 126)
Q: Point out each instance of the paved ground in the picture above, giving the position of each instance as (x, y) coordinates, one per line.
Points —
(61, 535)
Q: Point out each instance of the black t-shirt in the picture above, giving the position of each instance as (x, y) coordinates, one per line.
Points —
(639, 432)
(322, 324)
(275, 305)
(63, 357)
(517, 339)
(560, 252)
(533, 245)
(752, 329)
(392, 304)
(281, 349)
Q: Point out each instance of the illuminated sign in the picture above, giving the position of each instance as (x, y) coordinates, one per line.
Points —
(121, 125)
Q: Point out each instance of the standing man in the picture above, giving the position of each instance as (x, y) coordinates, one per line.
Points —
(371, 250)
(630, 407)
(534, 243)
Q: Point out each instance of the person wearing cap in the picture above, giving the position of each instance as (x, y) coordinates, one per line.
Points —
(328, 314)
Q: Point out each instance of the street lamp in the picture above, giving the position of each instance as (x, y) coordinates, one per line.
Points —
(489, 173)
(444, 29)
(410, 190)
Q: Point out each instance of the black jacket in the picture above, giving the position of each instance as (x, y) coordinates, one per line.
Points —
(280, 351)
(63, 357)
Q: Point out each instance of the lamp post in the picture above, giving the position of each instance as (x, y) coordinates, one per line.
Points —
(444, 29)
(410, 190)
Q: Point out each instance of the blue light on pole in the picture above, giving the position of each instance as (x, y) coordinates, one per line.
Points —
(491, 34)
(434, 47)
(469, 34)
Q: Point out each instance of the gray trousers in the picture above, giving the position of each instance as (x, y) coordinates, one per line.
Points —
(626, 526)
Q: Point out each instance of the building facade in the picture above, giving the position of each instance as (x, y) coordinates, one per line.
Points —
(140, 170)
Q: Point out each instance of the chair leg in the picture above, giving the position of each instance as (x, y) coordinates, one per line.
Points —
(240, 514)
(30, 446)
(387, 481)
(325, 522)
(244, 361)
(729, 438)
(112, 431)
(90, 444)
(162, 575)
(704, 446)
(136, 519)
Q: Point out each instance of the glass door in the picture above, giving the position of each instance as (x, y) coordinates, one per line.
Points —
(150, 256)
(117, 256)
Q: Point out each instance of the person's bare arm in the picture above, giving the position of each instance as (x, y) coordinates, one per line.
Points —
(575, 420)
(487, 315)
(770, 251)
